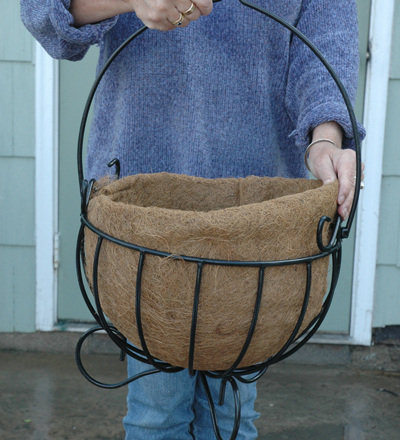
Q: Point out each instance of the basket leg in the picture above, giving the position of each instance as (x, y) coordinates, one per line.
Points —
(236, 396)
(91, 379)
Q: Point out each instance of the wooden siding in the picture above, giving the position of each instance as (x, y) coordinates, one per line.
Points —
(17, 311)
(17, 168)
(387, 285)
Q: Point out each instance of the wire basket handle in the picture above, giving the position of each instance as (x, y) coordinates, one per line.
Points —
(344, 231)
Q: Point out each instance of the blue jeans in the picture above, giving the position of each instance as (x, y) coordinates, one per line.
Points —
(173, 406)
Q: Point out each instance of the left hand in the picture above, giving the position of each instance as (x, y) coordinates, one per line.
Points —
(328, 163)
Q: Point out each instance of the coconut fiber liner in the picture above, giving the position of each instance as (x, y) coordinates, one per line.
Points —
(245, 219)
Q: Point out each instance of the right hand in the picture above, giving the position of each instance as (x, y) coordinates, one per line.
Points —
(159, 14)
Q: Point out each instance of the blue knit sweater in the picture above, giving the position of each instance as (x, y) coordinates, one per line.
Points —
(233, 94)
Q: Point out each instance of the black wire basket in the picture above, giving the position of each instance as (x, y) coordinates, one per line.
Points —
(301, 330)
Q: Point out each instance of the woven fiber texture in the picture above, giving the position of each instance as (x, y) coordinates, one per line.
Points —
(245, 219)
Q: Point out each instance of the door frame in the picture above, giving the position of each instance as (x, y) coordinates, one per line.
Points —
(46, 188)
(366, 241)
(366, 246)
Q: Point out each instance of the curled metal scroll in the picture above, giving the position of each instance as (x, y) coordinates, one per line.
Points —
(234, 373)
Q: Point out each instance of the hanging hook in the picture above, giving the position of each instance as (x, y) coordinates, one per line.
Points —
(117, 167)
(85, 194)
(335, 236)
(236, 397)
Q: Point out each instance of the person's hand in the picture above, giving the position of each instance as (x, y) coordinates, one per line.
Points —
(328, 163)
(166, 15)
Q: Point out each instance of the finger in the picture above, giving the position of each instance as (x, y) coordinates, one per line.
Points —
(344, 208)
(205, 6)
(345, 164)
(153, 18)
(189, 10)
(160, 17)
(177, 19)
(362, 171)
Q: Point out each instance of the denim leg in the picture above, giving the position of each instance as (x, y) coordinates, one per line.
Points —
(202, 425)
(160, 406)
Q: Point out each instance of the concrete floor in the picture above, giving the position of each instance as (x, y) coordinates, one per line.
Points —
(43, 396)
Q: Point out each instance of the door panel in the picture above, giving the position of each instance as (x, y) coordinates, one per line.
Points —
(75, 82)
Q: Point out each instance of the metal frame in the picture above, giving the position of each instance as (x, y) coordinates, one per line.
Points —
(234, 373)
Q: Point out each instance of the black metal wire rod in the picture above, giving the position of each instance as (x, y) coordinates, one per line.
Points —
(134, 247)
(336, 258)
(236, 396)
(164, 367)
(320, 230)
(91, 96)
(99, 317)
(277, 357)
(241, 378)
(116, 338)
(78, 256)
(328, 299)
(261, 367)
(119, 339)
(90, 378)
(253, 324)
(196, 299)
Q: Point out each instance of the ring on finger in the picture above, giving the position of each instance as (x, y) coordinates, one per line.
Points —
(190, 10)
(179, 21)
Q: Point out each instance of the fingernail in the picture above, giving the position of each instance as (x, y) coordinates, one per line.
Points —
(341, 199)
(345, 211)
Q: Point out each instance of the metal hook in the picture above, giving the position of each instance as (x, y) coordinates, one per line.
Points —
(85, 194)
(117, 167)
(335, 236)
(236, 397)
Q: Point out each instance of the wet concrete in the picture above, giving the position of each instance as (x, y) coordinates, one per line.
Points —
(43, 396)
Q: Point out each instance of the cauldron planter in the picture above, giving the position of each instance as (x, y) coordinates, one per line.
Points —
(221, 276)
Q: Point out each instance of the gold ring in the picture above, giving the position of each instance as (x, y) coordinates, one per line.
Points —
(180, 20)
(190, 10)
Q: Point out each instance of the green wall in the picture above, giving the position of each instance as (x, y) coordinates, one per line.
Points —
(17, 169)
(387, 286)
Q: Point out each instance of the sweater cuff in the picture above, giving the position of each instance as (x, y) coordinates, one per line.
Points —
(63, 23)
(326, 112)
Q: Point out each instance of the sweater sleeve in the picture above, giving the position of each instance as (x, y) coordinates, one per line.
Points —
(51, 23)
(312, 96)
